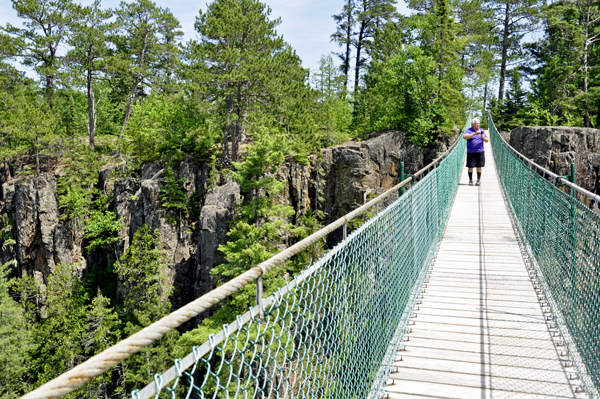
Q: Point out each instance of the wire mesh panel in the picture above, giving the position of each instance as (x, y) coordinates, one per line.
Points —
(333, 331)
(562, 239)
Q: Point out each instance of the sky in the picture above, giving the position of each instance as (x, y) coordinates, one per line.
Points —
(305, 24)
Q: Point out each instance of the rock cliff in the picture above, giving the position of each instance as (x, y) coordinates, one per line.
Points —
(556, 147)
(336, 181)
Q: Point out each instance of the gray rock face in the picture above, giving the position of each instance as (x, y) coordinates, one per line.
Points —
(556, 147)
(344, 176)
(217, 212)
(42, 240)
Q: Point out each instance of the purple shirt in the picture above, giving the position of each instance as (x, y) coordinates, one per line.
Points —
(475, 143)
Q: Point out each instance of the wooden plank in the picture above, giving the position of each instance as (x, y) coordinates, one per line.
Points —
(516, 385)
(486, 368)
(484, 339)
(474, 357)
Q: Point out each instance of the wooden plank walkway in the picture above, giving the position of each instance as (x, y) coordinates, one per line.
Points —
(480, 331)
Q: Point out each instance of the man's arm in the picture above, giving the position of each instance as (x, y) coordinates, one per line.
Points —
(468, 136)
(484, 137)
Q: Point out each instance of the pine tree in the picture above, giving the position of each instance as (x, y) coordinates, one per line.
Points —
(344, 35)
(258, 230)
(46, 27)
(333, 111)
(515, 102)
(62, 331)
(16, 342)
(142, 271)
(514, 19)
(146, 48)
(89, 36)
(247, 70)
(371, 16)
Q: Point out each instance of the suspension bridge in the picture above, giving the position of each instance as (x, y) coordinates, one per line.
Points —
(449, 291)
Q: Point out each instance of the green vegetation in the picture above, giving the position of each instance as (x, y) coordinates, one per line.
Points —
(125, 90)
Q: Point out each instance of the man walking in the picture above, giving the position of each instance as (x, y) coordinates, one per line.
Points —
(475, 137)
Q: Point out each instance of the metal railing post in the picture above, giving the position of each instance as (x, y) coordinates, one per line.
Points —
(572, 180)
(402, 177)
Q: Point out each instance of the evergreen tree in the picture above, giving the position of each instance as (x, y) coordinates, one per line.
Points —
(16, 341)
(90, 31)
(514, 19)
(371, 16)
(260, 227)
(344, 35)
(62, 331)
(142, 271)
(333, 111)
(514, 105)
(246, 68)
(146, 48)
(46, 27)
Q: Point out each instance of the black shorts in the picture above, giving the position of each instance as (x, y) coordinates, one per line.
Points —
(475, 159)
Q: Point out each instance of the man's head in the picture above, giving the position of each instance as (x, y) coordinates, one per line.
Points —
(475, 124)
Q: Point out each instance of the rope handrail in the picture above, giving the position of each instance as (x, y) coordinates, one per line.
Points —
(86, 371)
(556, 177)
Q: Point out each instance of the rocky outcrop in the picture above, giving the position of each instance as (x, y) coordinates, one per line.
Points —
(42, 240)
(217, 212)
(335, 181)
(556, 147)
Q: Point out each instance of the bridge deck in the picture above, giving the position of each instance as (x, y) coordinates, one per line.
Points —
(480, 331)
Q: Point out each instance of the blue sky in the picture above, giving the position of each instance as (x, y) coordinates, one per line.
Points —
(305, 24)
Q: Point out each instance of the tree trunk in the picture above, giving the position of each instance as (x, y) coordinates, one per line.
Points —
(245, 113)
(586, 111)
(91, 109)
(358, 50)
(348, 44)
(228, 111)
(129, 105)
(136, 83)
(50, 90)
(485, 90)
(235, 143)
(504, 54)
(37, 158)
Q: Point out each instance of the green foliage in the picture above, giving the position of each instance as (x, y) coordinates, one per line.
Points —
(255, 233)
(333, 111)
(405, 96)
(168, 127)
(16, 342)
(75, 188)
(171, 194)
(102, 230)
(62, 332)
(142, 271)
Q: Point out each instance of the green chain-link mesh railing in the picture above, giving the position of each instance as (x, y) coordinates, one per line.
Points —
(561, 237)
(334, 330)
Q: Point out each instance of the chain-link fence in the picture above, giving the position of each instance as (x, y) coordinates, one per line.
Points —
(561, 237)
(333, 331)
